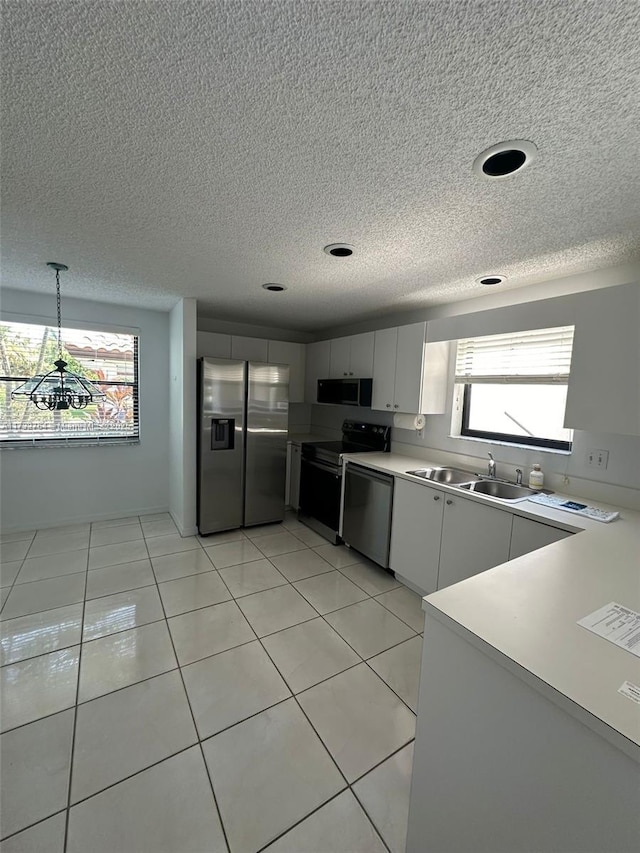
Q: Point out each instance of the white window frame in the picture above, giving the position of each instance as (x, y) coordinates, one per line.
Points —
(533, 357)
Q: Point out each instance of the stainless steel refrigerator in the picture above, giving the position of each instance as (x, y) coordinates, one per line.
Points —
(242, 443)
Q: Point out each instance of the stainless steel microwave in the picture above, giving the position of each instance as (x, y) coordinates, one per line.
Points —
(345, 392)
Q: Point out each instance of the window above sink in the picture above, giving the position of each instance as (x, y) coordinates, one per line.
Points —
(513, 387)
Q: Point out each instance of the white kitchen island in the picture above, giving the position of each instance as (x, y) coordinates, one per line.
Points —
(523, 741)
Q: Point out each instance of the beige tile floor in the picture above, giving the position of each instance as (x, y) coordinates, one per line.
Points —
(254, 690)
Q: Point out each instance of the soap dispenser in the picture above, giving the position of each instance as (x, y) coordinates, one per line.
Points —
(536, 478)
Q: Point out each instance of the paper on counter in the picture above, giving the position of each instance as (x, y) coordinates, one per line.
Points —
(631, 691)
(615, 623)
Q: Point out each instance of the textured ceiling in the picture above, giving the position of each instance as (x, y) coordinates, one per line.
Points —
(166, 149)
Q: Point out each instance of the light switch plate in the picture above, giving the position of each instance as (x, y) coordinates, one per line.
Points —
(598, 458)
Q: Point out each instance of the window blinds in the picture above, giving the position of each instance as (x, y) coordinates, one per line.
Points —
(540, 356)
(109, 360)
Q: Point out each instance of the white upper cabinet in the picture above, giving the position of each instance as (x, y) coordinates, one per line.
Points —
(249, 349)
(409, 375)
(339, 357)
(604, 384)
(293, 354)
(317, 367)
(409, 366)
(361, 363)
(351, 357)
(218, 345)
(213, 345)
(384, 369)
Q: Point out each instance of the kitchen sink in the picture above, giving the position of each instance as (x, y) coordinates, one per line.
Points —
(451, 476)
(500, 490)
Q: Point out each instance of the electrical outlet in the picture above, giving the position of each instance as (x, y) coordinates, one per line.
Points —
(598, 459)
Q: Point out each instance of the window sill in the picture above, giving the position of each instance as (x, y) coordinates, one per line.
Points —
(493, 442)
(44, 443)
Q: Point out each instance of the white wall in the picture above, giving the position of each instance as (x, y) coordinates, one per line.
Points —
(183, 416)
(44, 487)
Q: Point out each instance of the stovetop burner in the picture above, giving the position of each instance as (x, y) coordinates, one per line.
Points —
(368, 438)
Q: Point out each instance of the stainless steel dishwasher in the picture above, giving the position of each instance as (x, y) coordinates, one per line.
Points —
(366, 520)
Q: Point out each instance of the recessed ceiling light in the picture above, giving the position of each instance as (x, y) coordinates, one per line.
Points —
(492, 279)
(273, 287)
(505, 158)
(339, 250)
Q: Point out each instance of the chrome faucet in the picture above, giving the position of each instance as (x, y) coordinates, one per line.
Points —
(518, 476)
(491, 468)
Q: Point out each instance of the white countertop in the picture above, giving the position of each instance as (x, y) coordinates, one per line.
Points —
(527, 609)
(301, 437)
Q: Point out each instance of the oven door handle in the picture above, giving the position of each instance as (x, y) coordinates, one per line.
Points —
(323, 466)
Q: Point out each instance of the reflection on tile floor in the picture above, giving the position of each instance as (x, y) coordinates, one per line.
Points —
(253, 690)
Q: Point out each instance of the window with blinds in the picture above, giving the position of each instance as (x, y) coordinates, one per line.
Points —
(515, 386)
(541, 356)
(108, 359)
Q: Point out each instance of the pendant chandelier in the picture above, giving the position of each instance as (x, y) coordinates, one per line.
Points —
(59, 389)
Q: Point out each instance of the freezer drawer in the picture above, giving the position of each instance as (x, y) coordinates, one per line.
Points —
(366, 522)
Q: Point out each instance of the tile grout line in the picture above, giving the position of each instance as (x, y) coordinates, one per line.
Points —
(327, 750)
(233, 598)
(292, 696)
(347, 783)
(193, 718)
(31, 825)
(75, 710)
(214, 654)
(22, 562)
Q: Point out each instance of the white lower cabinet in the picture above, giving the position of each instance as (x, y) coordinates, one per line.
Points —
(527, 535)
(293, 475)
(474, 538)
(439, 538)
(416, 529)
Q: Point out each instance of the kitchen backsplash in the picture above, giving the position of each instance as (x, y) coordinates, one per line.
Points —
(299, 417)
(619, 483)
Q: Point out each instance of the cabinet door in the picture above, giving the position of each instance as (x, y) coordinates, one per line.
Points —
(604, 393)
(249, 349)
(317, 368)
(361, 361)
(435, 378)
(527, 535)
(288, 352)
(384, 368)
(409, 365)
(416, 526)
(474, 538)
(294, 477)
(213, 345)
(339, 358)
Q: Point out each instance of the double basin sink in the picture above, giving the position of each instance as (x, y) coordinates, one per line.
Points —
(504, 491)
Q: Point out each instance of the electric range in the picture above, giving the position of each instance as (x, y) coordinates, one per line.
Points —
(321, 474)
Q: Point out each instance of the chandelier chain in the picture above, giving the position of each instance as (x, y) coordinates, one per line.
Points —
(59, 314)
